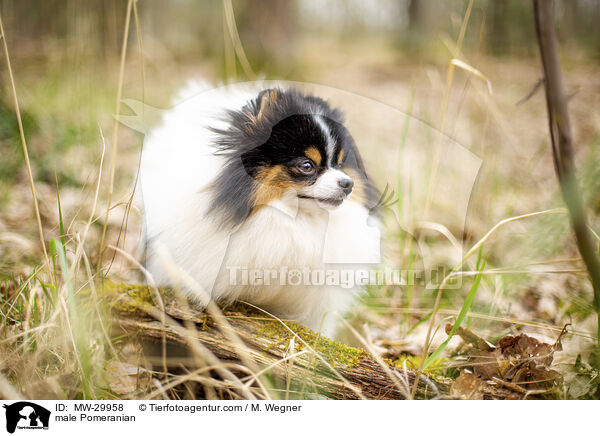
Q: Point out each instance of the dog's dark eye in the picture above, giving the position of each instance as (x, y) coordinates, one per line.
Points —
(306, 167)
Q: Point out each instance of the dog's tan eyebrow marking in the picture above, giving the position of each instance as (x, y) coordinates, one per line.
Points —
(313, 154)
(341, 157)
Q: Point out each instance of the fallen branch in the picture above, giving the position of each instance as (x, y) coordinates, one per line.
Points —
(320, 367)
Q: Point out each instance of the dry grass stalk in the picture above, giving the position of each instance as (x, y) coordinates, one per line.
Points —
(25, 150)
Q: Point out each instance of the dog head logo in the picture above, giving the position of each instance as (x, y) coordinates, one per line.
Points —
(26, 415)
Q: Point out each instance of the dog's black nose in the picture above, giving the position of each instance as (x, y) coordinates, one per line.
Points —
(346, 185)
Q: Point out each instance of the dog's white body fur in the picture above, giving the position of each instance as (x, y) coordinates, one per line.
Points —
(188, 249)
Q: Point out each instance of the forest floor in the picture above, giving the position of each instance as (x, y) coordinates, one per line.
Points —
(533, 282)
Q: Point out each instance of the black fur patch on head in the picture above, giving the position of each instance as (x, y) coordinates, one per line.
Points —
(276, 129)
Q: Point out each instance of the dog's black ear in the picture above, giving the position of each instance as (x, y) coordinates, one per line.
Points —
(265, 101)
(256, 114)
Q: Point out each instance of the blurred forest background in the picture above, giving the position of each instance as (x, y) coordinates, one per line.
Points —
(66, 59)
(71, 49)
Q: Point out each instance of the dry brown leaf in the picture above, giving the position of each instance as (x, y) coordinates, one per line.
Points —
(467, 386)
(124, 378)
(520, 360)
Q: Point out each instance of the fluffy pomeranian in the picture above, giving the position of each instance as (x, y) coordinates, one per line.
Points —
(258, 195)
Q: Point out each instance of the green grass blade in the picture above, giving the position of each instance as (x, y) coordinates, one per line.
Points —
(52, 248)
(463, 312)
(424, 319)
(60, 216)
(78, 326)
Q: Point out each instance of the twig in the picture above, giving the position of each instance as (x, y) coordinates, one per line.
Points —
(562, 142)
(531, 93)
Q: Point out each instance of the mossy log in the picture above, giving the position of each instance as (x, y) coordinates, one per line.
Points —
(320, 367)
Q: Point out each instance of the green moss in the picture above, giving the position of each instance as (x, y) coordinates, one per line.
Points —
(138, 296)
(339, 354)
(335, 353)
(439, 365)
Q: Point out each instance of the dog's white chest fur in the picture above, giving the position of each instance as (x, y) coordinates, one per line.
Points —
(259, 260)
